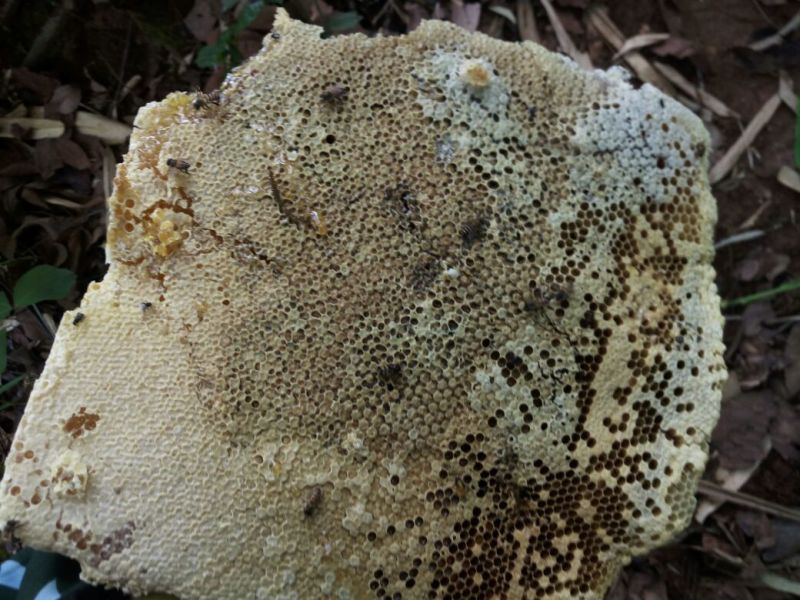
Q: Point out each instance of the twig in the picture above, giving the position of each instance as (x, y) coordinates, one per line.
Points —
(708, 488)
(123, 64)
(49, 31)
(762, 117)
(639, 41)
(778, 37)
(599, 19)
(564, 40)
(738, 238)
(711, 102)
(526, 22)
(786, 91)
(42, 321)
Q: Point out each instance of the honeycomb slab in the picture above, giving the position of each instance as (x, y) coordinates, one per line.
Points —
(417, 317)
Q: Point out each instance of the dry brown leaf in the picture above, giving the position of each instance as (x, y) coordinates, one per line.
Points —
(564, 39)
(65, 100)
(786, 91)
(35, 129)
(201, 20)
(785, 431)
(785, 541)
(643, 40)
(675, 46)
(108, 130)
(761, 263)
(647, 586)
(504, 12)
(599, 19)
(778, 37)
(526, 22)
(416, 14)
(72, 154)
(758, 122)
(40, 85)
(47, 158)
(713, 103)
(790, 178)
(465, 14)
(791, 373)
(743, 425)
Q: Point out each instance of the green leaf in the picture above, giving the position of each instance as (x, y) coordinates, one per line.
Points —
(5, 306)
(248, 15)
(789, 286)
(9, 385)
(212, 55)
(42, 283)
(3, 350)
(342, 21)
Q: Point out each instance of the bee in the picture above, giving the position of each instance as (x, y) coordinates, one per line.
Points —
(391, 374)
(335, 95)
(78, 318)
(544, 296)
(203, 100)
(275, 35)
(312, 502)
(179, 164)
(145, 306)
(473, 231)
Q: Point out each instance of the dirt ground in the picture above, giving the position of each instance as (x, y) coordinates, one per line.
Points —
(89, 65)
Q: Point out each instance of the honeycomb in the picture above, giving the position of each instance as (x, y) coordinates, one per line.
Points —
(417, 317)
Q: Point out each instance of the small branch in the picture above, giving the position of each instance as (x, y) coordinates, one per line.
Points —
(564, 40)
(708, 488)
(759, 121)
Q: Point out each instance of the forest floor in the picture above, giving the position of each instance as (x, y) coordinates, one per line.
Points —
(76, 71)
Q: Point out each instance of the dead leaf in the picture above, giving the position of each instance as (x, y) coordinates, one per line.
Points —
(201, 20)
(47, 158)
(761, 263)
(721, 550)
(108, 130)
(35, 129)
(65, 100)
(40, 85)
(675, 46)
(573, 3)
(72, 154)
(754, 127)
(784, 431)
(465, 14)
(526, 19)
(785, 541)
(757, 526)
(791, 372)
(647, 586)
(640, 41)
(790, 178)
(743, 425)
(504, 12)
(415, 15)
